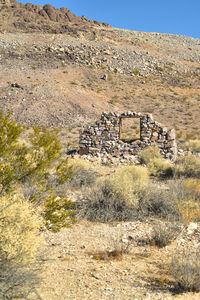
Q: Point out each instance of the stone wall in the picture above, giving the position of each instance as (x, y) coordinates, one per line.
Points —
(103, 138)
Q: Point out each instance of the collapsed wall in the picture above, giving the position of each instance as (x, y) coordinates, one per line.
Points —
(104, 137)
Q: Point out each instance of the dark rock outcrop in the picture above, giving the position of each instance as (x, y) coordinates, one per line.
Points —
(43, 18)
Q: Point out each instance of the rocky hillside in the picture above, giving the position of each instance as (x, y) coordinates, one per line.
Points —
(15, 16)
(60, 70)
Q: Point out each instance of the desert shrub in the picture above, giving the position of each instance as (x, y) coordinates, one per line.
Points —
(106, 202)
(185, 268)
(193, 145)
(132, 181)
(19, 228)
(157, 202)
(192, 187)
(31, 164)
(164, 233)
(187, 166)
(160, 167)
(115, 197)
(186, 195)
(59, 212)
(150, 153)
(84, 174)
(19, 242)
(189, 210)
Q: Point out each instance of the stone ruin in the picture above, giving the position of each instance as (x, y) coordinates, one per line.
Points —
(104, 138)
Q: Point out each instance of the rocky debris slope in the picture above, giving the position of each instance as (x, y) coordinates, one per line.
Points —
(164, 54)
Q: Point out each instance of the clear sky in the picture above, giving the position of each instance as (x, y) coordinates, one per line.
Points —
(169, 16)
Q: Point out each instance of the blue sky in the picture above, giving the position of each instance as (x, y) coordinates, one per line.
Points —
(169, 16)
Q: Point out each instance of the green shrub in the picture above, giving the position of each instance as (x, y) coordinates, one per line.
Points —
(59, 212)
(150, 153)
(136, 72)
(185, 268)
(187, 166)
(160, 167)
(115, 197)
(31, 164)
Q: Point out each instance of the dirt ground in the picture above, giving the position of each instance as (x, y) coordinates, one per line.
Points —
(75, 265)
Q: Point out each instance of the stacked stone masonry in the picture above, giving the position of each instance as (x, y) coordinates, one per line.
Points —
(103, 138)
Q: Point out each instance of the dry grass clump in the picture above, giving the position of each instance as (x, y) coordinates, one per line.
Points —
(164, 233)
(186, 194)
(192, 186)
(185, 268)
(19, 228)
(193, 145)
(132, 180)
(159, 203)
(106, 255)
(159, 167)
(84, 174)
(19, 241)
(115, 197)
(120, 246)
(150, 153)
(189, 210)
(156, 164)
(187, 166)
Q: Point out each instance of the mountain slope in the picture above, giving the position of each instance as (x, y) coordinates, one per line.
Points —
(70, 78)
(30, 17)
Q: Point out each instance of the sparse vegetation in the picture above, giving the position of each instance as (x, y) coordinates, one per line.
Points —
(27, 163)
(185, 269)
(189, 210)
(84, 175)
(193, 145)
(73, 82)
(115, 197)
(160, 69)
(159, 203)
(187, 166)
(61, 85)
(150, 153)
(136, 72)
(163, 234)
(160, 167)
(19, 242)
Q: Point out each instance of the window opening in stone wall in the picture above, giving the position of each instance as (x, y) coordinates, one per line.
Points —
(130, 129)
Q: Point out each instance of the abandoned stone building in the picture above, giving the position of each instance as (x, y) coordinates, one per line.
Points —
(125, 135)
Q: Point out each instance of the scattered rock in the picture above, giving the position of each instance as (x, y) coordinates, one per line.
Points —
(16, 85)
